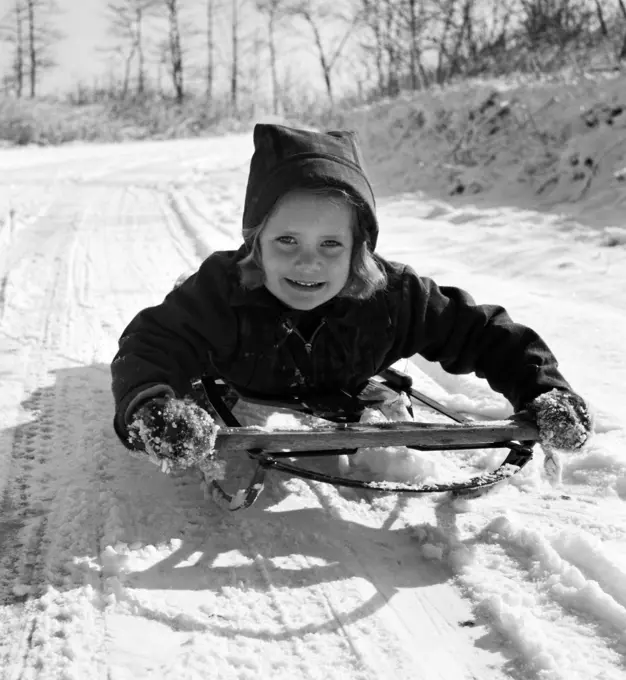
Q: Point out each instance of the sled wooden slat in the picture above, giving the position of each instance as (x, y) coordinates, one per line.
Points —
(351, 436)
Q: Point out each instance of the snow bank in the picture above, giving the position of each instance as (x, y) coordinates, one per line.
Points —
(559, 141)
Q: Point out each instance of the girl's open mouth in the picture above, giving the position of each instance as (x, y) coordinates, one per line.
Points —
(305, 285)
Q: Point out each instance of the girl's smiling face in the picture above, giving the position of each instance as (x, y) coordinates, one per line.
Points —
(306, 248)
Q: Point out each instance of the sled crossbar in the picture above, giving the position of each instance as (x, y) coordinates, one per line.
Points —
(421, 436)
(268, 447)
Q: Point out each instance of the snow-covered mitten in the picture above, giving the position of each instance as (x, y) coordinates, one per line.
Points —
(563, 420)
(174, 433)
(564, 424)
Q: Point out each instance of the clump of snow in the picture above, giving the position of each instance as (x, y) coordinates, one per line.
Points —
(432, 552)
(602, 464)
(399, 463)
(285, 421)
(114, 560)
(438, 545)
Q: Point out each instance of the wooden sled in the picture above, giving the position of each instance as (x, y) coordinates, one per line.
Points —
(270, 447)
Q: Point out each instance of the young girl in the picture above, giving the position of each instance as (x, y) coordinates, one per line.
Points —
(306, 309)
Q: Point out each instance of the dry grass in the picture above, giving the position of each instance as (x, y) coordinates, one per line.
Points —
(44, 122)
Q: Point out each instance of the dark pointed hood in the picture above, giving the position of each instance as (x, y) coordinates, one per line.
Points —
(285, 159)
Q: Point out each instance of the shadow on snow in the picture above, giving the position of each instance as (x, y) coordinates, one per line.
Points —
(73, 490)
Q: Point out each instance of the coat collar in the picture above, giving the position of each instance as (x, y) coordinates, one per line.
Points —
(338, 308)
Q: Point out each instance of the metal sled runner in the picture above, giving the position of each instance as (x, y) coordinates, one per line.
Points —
(270, 447)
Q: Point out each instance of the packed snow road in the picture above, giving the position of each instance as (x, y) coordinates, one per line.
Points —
(109, 569)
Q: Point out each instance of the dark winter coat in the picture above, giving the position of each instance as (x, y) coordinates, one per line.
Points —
(211, 325)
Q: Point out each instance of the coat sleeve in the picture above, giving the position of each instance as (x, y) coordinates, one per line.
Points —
(164, 347)
(445, 325)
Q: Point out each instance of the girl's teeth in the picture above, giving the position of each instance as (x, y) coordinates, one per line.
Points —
(305, 283)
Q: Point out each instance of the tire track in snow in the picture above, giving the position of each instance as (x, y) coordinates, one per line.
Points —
(54, 314)
(294, 614)
(36, 497)
(49, 314)
(204, 231)
(119, 478)
(533, 598)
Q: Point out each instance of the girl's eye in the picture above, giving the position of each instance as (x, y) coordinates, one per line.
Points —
(286, 240)
(292, 241)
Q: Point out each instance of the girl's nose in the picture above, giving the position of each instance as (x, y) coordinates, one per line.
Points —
(307, 257)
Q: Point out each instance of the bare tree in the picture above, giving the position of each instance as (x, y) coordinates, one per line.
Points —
(251, 88)
(463, 34)
(394, 48)
(447, 10)
(319, 13)
(554, 21)
(236, 6)
(175, 49)
(12, 31)
(372, 19)
(622, 54)
(234, 66)
(394, 40)
(33, 34)
(599, 11)
(275, 11)
(126, 24)
(210, 27)
(32, 49)
(469, 36)
(414, 49)
(18, 64)
(489, 37)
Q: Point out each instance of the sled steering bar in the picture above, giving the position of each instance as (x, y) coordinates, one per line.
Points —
(421, 436)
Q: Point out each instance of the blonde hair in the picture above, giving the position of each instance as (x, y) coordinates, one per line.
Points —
(366, 275)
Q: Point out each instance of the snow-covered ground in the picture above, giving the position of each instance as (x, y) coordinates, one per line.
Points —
(110, 569)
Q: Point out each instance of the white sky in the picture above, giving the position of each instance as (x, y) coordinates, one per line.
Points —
(84, 23)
